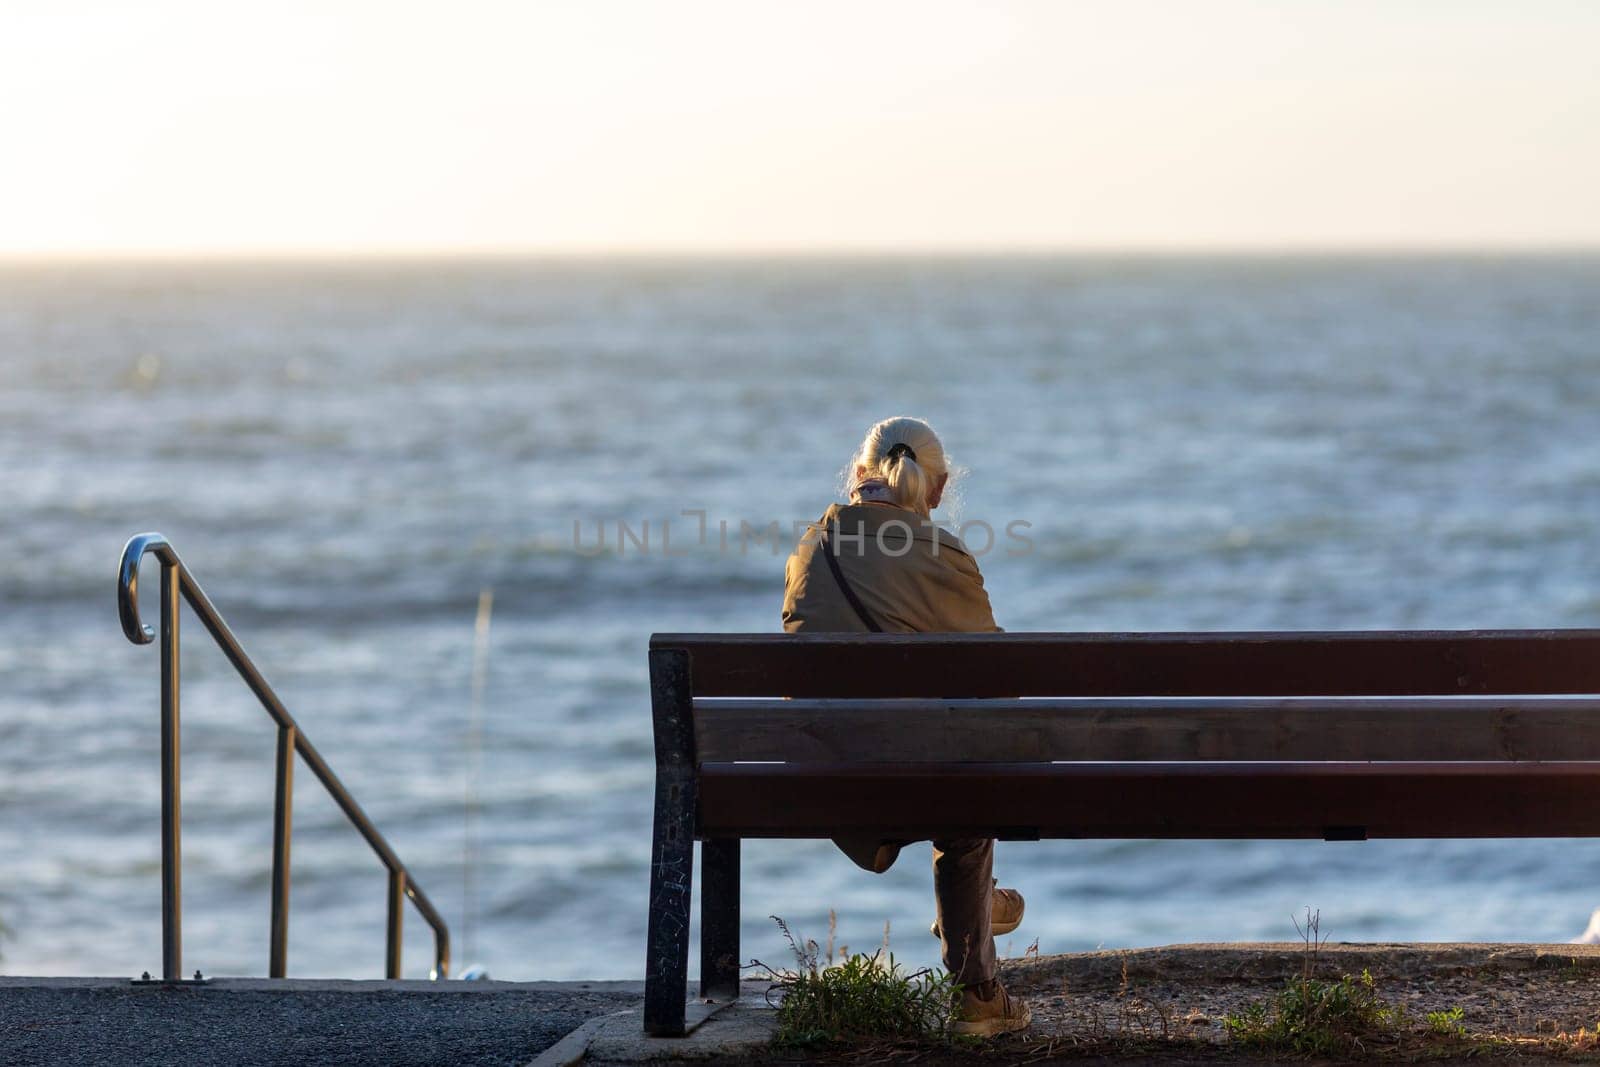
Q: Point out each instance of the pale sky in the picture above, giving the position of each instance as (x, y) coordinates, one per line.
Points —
(348, 126)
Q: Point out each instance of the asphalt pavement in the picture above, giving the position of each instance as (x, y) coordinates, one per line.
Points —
(246, 1023)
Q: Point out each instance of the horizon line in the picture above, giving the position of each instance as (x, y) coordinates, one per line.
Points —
(467, 253)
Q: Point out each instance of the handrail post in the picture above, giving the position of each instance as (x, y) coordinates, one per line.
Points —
(171, 811)
(397, 912)
(282, 817)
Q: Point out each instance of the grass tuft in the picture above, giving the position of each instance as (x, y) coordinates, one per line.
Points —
(1446, 1023)
(859, 999)
(1314, 1016)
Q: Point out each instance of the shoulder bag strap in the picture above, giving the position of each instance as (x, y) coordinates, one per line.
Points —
(826, 548)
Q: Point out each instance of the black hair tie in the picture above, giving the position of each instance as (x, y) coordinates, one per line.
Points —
(896, 451)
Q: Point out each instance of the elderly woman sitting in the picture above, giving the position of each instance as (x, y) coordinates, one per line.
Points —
(880, 564)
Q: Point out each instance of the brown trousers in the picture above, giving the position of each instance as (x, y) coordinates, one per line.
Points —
(963, 885)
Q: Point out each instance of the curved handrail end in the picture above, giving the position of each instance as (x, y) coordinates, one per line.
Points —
(128, 583)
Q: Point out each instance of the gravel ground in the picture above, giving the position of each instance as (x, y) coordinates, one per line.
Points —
(1521, 1004)
(132, 1026)
(1530, 1000)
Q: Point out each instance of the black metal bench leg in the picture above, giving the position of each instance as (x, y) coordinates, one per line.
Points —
(719, 920)
(666, 979)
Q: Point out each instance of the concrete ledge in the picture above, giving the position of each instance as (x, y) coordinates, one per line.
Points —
(741, 1030)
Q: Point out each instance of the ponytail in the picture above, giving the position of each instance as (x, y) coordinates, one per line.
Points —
(908, 483)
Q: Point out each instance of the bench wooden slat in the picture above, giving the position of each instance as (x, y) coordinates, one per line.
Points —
(1349, 663)
(1150, 800)
(1149, 729)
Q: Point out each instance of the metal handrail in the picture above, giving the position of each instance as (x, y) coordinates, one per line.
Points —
(176, 580)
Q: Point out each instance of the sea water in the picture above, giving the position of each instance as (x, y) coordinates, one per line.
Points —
(348, 455)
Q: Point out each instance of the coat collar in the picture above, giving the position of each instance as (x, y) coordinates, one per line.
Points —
(869, 517)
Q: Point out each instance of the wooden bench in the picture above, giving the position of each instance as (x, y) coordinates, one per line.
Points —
(1342, 736)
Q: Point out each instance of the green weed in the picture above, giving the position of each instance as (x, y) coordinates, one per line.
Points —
(859, 999)
(1446, 1023)
(1314, 1016)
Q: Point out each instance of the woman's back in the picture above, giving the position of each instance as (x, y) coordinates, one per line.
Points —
(908, 575)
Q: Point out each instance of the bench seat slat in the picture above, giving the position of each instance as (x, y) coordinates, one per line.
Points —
(1151, 800)
(1353, 663)
(1153, 729)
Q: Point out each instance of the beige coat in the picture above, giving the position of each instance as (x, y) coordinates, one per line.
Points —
(932, 586)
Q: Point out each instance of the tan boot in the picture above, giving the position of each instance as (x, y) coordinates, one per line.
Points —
(987, 1009)
(1005, 912)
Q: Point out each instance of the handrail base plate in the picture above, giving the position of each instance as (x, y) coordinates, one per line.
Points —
(148, 981)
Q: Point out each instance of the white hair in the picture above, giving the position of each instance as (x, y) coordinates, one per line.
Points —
(911, 475)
